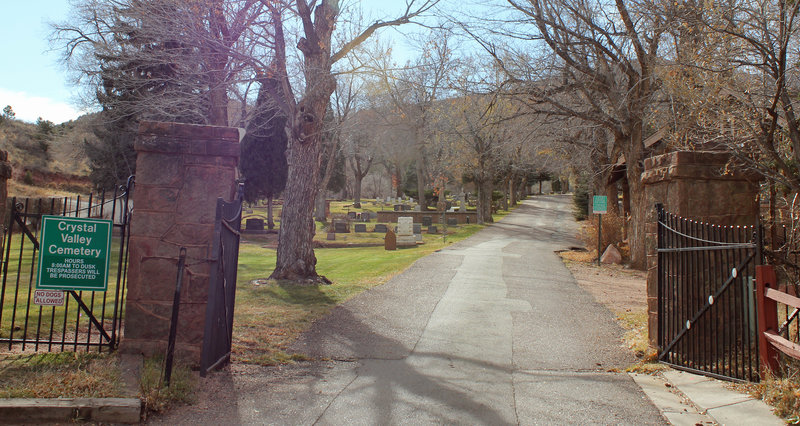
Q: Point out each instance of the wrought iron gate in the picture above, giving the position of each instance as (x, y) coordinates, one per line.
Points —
(87, 319)
(218, 334)
(706, 300)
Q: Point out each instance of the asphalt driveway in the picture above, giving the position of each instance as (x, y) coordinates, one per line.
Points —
(492, 330)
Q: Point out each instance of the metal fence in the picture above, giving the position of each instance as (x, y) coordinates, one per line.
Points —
(706, 300)
(218, 336)
(87, 319)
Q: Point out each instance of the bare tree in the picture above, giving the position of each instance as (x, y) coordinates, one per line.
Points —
(415, 90)
(295, 257)
(605, 53)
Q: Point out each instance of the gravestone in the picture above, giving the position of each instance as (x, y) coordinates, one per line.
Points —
(254, 225)
(417, 208)
(417, 228)
(432, 229)
(341, 227)
(451, 221)
(462, 203)
(427, 221)
(331, 236)
(405, 231)
(380, 228)
(406, 208)
(360, 227)
(351, 215)
(390, 241)
(398, 207)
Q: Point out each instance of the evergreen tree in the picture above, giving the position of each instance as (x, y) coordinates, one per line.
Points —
(263, 161)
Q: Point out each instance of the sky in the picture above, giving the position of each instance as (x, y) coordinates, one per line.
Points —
(32, 80)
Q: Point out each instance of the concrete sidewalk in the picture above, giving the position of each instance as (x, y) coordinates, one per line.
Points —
(690, 399)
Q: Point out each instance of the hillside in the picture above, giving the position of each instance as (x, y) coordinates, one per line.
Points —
(46, 154)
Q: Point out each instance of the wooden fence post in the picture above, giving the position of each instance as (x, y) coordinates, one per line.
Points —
(767, 318)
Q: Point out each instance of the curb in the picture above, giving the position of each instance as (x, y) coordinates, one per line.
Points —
(48, 410)
(690, 399)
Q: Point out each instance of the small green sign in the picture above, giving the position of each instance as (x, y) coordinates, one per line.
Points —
(74, 254)
(600, 204)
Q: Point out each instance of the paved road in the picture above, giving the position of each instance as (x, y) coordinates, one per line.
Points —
(492, 330)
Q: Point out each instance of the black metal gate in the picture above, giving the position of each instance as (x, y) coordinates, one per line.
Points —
(218, 334)
(87, 319)
(706, 297)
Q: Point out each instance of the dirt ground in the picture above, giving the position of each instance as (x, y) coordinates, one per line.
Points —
(618, 288)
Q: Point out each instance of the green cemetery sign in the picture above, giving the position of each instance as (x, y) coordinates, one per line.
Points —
(600, 204)
(74, 254)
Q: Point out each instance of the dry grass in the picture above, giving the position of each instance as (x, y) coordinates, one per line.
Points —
(155, 395)
(57, 375)
(20, 190)
(782, 393)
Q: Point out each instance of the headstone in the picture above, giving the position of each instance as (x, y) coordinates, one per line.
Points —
(331, 236)
(417, 228)
(451, 221)
(381, 228)
(426, 221)
(417, 237)
(432, 229)
(467, 217)
(254, 225)
(351, 215)
(449, 205)
(390, 241)
(357, 205)
(417, 208)
(462, 202)
(341, 227)
(360, 227)
(406, 208)
(398, 207)
(405, 231)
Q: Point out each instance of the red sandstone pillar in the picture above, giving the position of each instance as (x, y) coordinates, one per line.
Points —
(181, 170)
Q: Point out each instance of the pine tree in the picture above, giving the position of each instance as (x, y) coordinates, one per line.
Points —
(263, 161)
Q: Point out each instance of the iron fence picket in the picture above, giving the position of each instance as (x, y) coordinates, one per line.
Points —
(82, 321)
(704, 305)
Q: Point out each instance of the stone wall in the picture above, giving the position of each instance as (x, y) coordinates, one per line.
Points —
(181, 170)
(696, 185)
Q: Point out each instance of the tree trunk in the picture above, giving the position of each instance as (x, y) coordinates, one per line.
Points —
(357, 188)
(613, 198)
(295, 257)
(270, 222)
(512, 191)
(398, 191)
(423, 202)
(486, 193)
(636, 237)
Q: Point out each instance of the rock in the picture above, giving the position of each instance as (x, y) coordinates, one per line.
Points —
(611, 255)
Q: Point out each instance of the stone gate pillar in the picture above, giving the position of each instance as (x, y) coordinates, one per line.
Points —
(696, 185)
(181, 169)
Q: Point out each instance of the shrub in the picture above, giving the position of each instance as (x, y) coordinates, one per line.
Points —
(613, 232)
(580, 200)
